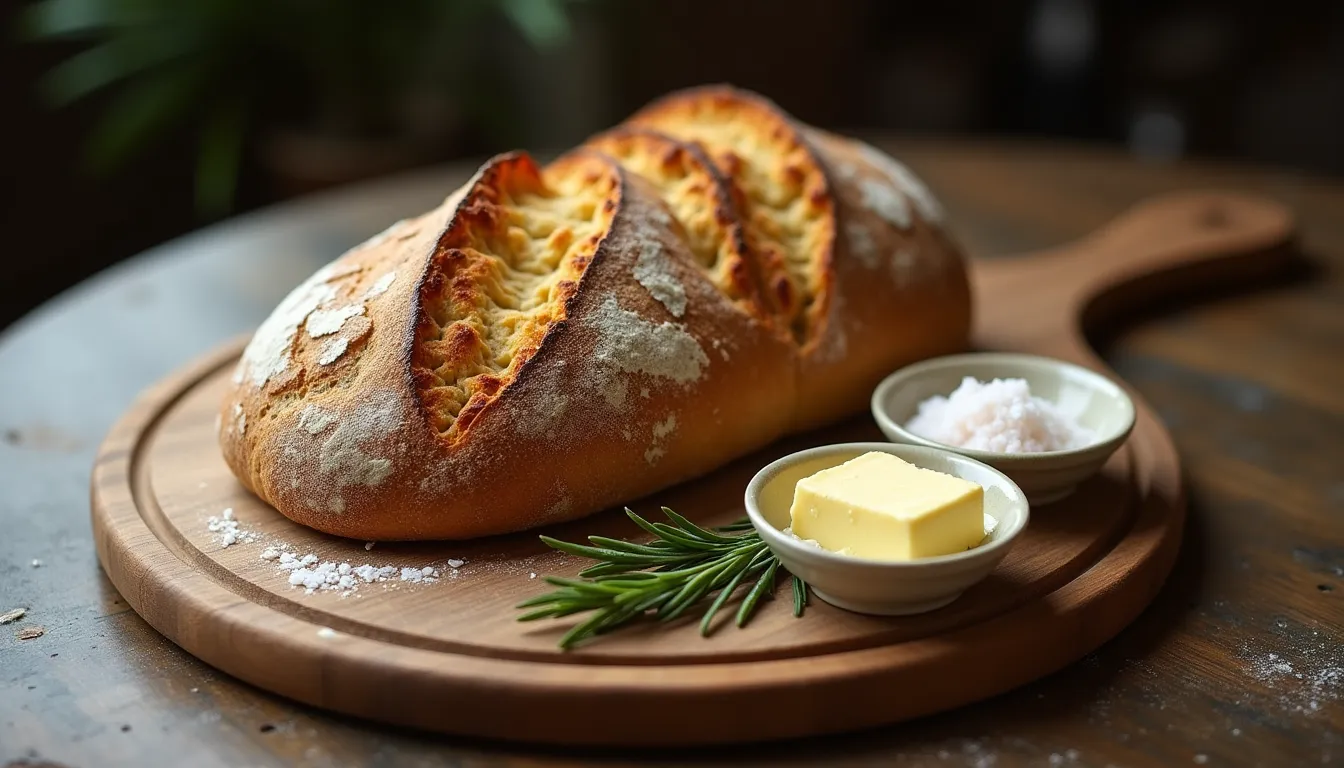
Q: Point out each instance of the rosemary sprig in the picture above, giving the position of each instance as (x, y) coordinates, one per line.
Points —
(682, 566)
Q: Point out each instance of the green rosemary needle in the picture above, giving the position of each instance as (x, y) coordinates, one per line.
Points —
(682, 566)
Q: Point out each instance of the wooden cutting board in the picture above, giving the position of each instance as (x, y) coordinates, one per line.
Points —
(448, 655)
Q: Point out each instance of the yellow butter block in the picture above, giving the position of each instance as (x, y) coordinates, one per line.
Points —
(882, 508)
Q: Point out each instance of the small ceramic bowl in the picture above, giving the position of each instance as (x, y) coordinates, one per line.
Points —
(884, 588)
(1095, 401)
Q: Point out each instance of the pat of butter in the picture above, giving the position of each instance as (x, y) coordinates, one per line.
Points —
(881, 508)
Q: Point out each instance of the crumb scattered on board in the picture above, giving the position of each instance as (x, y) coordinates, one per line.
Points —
(30, 633)
(9, 617)
(37, 563)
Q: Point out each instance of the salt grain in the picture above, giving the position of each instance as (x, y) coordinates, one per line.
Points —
(313, 574)
(229, 530)
(37, 563)
(456, 563)
(1000, 416)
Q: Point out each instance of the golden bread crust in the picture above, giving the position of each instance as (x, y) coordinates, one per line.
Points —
(551, 342)
(616, 388)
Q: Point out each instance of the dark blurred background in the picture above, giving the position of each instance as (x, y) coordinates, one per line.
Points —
(128, 122)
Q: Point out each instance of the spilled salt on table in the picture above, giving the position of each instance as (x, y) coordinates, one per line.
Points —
(1001, 416)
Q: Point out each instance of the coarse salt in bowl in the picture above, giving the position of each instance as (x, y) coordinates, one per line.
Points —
(1045, 423)
(1001, 416)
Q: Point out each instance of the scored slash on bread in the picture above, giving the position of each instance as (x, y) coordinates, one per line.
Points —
(553, 341)
(788, 212)
(706, 204)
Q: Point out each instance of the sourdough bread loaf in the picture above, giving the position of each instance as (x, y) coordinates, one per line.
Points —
(550, 342)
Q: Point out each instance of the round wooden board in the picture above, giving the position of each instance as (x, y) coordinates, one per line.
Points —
(449, 656)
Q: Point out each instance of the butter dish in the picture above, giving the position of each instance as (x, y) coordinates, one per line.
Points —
(888, 588)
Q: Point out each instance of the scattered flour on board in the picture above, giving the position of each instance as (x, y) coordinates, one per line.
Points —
(313, 574)
(228, 530)
(653, 270)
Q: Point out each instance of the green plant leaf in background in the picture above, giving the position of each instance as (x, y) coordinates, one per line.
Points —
(218, 158)
(220, 67)
(106, 63)
(77, 18)
(138, 114)
(543, 22)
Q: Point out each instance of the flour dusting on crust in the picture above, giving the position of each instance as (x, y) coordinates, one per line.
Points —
(661, 430)
(653, 270)
(324, 322)
(344, 459)
(629, 343)
(886, 201)
(543, 410)
(332, 350)
(907, 182)
(906, 266)
(267, 354)
(381, 285)
(861, 244)
(314, 420)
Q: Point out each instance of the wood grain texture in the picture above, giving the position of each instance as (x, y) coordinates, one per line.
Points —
(1247, 382)
(1091, 562)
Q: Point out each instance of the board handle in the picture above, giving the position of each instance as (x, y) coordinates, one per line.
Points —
(1162, 246)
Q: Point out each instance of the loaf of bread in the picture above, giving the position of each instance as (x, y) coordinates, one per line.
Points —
(549, 342)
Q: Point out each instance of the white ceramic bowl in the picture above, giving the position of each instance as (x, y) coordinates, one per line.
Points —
(887, 588)
(1095, 401)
